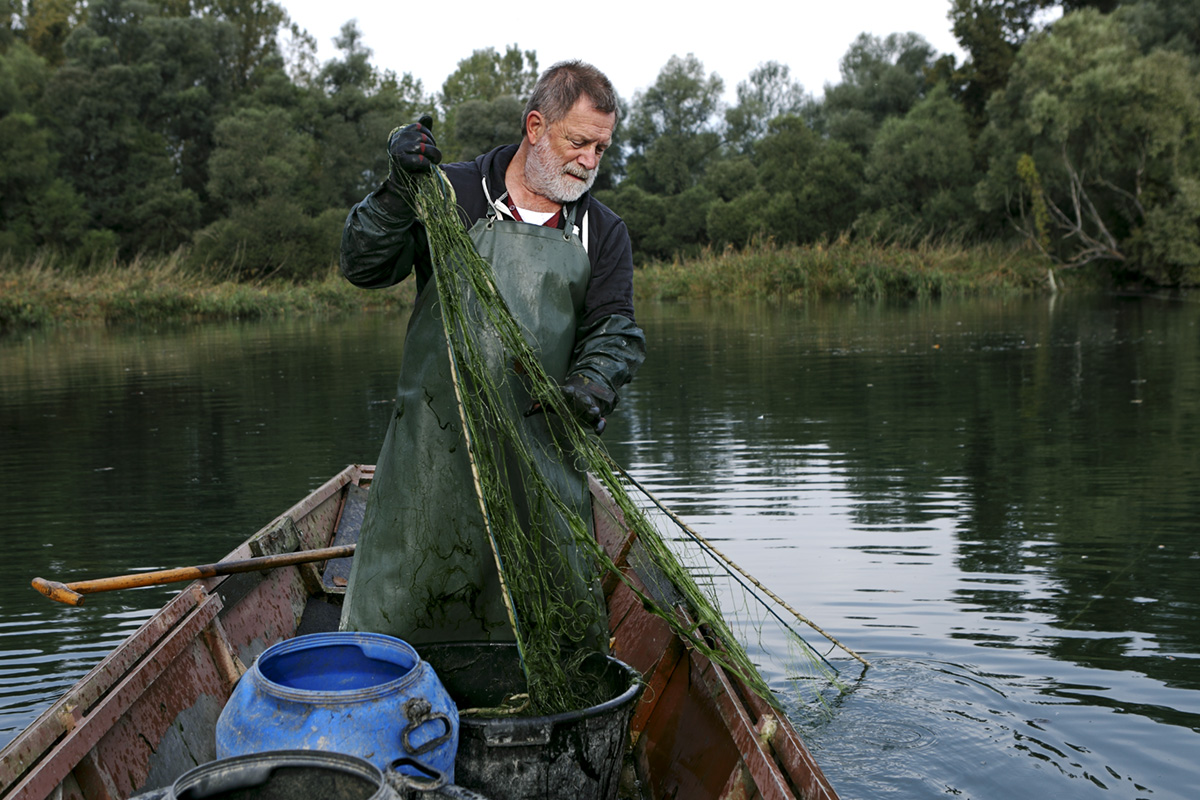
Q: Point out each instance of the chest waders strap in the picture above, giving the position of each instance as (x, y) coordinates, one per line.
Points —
(493, 213)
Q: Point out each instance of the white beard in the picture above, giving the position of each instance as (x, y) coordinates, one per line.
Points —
(554, 181)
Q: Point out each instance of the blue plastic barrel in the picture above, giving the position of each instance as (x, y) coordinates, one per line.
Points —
(363, 694)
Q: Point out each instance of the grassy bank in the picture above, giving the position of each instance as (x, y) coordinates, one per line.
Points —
(44, 293)
(41, 293)
(847, 269)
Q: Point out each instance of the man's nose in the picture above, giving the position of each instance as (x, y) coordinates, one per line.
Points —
(589, 159)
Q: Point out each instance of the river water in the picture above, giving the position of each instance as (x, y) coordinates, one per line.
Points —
(995, 502)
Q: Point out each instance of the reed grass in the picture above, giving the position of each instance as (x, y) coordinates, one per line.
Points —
(46, 291)
(853, 269)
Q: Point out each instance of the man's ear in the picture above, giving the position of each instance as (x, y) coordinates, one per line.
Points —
(535, 126)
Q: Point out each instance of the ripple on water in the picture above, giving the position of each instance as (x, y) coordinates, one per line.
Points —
(44, 654)
(913, 728)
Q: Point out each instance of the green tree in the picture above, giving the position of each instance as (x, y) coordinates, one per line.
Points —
(37, 209)
(260, 179)
(23, 78)
(739, 220)
(485, 76)
(731, 177)
(257, 24)
(674, 162)
(480, 125)
(662, 227)
(682, 101)
(272, 238)
(920, 173)
(134, 106)
(818, 182)
(8, 21)
(287, 166)
(881, 78)
(672, 127)
(768, 93)
(672, 134)
(47, 23)
(991, 32)
(1174, 24)
(643, 214)
(806, 188)
(1112, 132)
(1167, 244)
(259, 154)
(352, 109)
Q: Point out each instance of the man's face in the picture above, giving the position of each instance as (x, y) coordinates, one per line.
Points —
(566, 154)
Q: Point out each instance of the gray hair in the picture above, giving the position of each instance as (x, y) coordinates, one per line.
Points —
(560, 87)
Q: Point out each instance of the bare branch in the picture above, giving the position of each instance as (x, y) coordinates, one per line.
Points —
(1083, 222)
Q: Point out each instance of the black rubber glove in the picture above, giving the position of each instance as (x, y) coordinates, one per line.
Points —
(411, 149)
(589, 401)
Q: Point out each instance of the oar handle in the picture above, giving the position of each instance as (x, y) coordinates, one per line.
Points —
(56, 590)
(72, 593)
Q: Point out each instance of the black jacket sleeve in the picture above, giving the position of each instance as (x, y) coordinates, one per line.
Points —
(382, 242)
(609, 346)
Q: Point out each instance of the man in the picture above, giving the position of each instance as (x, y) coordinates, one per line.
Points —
(424, 569)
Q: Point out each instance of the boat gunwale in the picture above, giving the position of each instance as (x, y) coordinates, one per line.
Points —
(772, 761)
(71, 718)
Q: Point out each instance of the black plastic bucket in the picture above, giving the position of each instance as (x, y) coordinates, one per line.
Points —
(307, 775)
(575, 755)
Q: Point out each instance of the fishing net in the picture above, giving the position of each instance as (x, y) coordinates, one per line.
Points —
(525, 513)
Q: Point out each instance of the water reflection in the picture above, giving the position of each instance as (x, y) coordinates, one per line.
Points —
(992, 500)
(1000, 488)
(129, 449)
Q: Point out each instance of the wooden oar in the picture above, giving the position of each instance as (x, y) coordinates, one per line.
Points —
(72, 593)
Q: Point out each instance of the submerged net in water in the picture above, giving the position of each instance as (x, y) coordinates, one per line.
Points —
(527, 532)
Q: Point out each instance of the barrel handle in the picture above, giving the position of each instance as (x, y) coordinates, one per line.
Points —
(419, 711)
(401, 782)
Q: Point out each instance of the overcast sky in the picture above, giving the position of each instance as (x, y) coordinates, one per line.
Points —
(630, 40)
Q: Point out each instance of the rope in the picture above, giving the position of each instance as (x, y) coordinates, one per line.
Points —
(707, 545)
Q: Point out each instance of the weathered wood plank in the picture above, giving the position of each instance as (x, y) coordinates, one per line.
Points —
(29, 747)
(91, 726)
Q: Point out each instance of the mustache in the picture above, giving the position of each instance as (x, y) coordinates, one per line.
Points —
(577, 171)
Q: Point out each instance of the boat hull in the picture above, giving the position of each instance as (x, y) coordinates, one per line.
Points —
(146, 714)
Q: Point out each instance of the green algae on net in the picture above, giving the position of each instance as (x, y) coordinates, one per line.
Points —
(546, 620)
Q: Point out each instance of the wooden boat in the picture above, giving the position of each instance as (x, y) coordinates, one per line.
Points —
(147, 712)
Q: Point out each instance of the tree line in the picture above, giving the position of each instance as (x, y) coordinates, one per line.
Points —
(208, 127)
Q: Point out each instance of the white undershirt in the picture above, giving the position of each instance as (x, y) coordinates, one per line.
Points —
(580, 228)
(535, 217)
